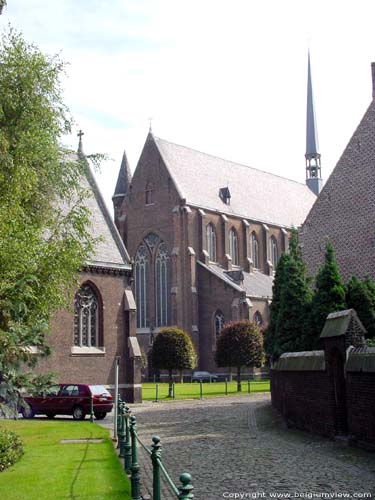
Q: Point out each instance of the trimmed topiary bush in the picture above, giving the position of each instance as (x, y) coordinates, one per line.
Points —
(11, 449)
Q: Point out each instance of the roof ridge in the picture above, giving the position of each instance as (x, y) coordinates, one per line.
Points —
(229, 161)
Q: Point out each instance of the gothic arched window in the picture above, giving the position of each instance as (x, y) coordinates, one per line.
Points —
(254, 250)
(233, 247)
(149, 192)
(211, 242)
(86, 317)
(161, 285)
(218, 323)
(141, 270)
(274, 252)
(257, 319)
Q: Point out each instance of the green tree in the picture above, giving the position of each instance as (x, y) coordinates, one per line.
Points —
(360, 295)
(289, 325)
(240, 344)
(173, 350)
(329, 293)
(44, 226)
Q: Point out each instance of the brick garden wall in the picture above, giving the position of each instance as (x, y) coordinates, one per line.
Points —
(360, 396)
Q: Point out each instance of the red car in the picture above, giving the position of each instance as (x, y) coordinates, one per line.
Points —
(69, 399)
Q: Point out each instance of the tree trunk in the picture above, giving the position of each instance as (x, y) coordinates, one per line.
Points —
(170, 387)
(239, 388)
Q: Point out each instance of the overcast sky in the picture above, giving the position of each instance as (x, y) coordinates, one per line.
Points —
(227, 77)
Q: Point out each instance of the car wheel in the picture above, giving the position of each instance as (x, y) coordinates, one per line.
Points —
(50, 414)
(78, 413)
(28, 412)
(99, 415)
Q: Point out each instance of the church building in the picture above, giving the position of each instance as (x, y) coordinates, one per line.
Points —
(97, 337)
(205, 235)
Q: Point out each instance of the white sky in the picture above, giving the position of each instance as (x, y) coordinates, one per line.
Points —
(227, 77)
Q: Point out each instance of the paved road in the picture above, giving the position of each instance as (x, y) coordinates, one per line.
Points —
(238, 445)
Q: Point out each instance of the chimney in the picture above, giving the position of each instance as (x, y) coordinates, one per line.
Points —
(373, 79)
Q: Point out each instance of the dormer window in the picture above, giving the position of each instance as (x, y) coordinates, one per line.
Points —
(224, 194)
(149, 194)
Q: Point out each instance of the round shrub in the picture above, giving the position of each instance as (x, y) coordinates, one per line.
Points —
(11, 449)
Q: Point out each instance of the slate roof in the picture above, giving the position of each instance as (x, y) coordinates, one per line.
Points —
(337, 323)
(255, 194)
(255, 284)
(110, 252)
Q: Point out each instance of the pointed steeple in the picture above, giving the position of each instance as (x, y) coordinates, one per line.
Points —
(313, 167)
(124, 178)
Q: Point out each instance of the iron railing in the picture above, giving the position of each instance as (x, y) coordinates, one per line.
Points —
(127, 443)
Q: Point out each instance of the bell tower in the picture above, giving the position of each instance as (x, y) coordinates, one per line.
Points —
(313, 166)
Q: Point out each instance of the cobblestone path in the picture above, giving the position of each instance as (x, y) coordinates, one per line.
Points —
(240, 446)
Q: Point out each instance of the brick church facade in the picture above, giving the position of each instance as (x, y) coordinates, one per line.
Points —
(205, 235)
(98, 333)
(344, 211)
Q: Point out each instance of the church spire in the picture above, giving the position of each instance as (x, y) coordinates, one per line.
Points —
(313, 167)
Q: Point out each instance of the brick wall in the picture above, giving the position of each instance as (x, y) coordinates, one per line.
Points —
(361, 408)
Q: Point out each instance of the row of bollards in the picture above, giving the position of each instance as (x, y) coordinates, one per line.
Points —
(127, 443)
(173, 391)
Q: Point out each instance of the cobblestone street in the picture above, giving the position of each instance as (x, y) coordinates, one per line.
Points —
(238, 445)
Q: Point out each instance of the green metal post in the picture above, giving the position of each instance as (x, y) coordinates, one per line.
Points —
(91, 408)
(155, 457)
(248, 386)
(118, 426)
(122, 431)
(173, 391)
(128, 448)
(200, 390)
(134, 468)
(157, 392)
(226, 387)
(186, 490)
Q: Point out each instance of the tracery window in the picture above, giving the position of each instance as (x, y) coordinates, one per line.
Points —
(211, 242)
(274, 251)
(257, 319)
(233, 247)
(254, 250)
(86, 317)
(161, 285)
(141, 268)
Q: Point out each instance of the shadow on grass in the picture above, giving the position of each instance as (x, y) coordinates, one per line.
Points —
(78, 470)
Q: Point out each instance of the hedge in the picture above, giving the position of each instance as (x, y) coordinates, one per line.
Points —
(11, 449)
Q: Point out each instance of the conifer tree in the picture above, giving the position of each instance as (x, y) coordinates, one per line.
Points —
(329, 294)
(360, 295)
(290, 314)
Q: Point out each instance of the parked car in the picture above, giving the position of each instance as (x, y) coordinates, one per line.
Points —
(204, 377)
(69, 399)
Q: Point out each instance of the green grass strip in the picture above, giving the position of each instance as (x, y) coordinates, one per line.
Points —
(192, 390)
(51, 470)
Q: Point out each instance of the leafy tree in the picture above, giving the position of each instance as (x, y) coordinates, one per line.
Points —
(290, 309)
(173, 350)
(240, 344)
(44, 226)
(329, 294)
(360, 295)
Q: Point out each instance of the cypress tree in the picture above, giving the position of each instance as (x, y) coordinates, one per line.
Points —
(360, 295)
(329, 294)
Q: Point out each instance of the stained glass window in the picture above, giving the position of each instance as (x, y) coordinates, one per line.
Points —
(254, 250)
(274, 252)
(233, 247)
(141, 270)
(86, 317)
(211, 242)
(162, 285)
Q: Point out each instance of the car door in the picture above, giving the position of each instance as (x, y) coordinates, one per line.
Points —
(69, 396)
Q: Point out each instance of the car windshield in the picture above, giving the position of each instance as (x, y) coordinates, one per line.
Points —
(97, 390)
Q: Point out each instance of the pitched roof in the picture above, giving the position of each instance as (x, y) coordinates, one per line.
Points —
(255, 194)
(110, 250)
(255, 284)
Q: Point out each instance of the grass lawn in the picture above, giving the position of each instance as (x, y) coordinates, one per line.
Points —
(51, 470)
(192, 391)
